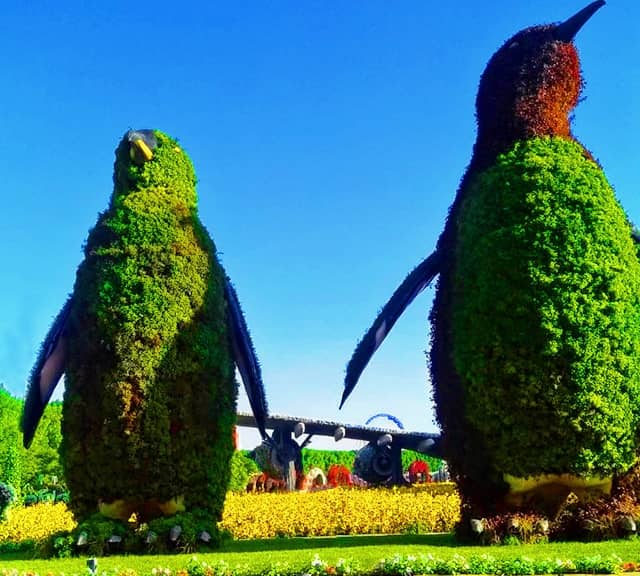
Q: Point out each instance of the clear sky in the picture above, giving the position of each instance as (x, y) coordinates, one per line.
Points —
(328, 138)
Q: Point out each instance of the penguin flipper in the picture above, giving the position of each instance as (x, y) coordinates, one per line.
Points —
(46, 373)
(414, 283)
(245, 358)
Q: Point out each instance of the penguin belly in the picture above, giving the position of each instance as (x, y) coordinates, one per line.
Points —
(545, 319)
(150, 389)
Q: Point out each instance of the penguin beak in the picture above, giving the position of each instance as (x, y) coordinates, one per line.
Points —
(567, 30)
(141, 145)
(140, 151)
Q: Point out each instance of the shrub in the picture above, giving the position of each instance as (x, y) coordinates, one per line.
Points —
(242, 467)
(324, 459)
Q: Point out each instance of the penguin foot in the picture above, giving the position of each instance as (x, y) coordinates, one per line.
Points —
(551, 493)
(140, 511)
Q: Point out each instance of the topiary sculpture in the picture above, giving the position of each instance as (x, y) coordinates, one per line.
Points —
(535, 342)
(147, 343)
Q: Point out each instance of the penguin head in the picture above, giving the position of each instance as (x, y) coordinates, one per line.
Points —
(148, 159)
(531, 84)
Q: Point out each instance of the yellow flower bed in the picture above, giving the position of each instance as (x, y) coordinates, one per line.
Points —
(341, 511)
(428, 508)
(36, 522)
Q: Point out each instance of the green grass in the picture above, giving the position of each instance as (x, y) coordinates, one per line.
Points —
(257, 556)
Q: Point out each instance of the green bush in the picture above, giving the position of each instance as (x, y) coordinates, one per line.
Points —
(242, 467)
(546, 320)
(29, 471)
(324, 459)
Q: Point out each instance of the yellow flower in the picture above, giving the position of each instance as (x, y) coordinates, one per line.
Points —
(341, 511)
(36, 522)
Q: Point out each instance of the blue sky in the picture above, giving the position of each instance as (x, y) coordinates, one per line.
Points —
(328, 138)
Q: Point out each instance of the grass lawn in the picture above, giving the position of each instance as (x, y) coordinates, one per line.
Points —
(258, 556)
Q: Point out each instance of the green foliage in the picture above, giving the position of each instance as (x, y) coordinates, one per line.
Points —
(150, 390)
(58, 546)
(192, 525)
(324, 459)
(546, 320)
(358, 555)
(48, 494)
(242, 467)
(409, 456)
(10, 409)
(9, 547)
(97, 530)
(486, 564)
(34, 469)
(40, 465)
(7, 496)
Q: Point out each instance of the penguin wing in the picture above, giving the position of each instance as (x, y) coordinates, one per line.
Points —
(414, 283)
(245, 358)
(46, 373)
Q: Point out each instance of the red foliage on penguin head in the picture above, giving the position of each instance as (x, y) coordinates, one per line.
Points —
(529, 88)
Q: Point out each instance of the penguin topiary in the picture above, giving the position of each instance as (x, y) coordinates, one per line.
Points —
(147, 343)
(535, 326)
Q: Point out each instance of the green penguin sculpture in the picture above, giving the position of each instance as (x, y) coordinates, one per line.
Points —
(535, 325)
(147, 343)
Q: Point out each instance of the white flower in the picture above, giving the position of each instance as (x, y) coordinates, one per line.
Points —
(316, 562)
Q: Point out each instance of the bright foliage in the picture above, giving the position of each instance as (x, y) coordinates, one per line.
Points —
(419, 471)
(341, 511)
(429, 508)
(339, 476)
(546, 325)
(35, 469)
(36, 522)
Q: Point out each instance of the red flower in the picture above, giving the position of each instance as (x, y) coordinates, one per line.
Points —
(419, 471)
(339, 475)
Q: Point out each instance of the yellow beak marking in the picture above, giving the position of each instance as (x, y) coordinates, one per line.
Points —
(146, 151)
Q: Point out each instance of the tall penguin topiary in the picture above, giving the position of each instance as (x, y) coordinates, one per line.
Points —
(535, 341)
(147, 343)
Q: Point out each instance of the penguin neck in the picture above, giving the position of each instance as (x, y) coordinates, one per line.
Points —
(529, 120)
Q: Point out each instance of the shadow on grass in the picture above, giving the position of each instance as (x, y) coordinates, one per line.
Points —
(304, 543)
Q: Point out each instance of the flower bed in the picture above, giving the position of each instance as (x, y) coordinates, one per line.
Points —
(396, 565)
(36, 522)
(341, 511)
(420, 509)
